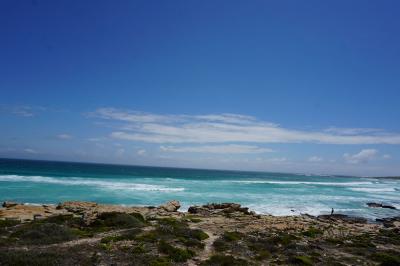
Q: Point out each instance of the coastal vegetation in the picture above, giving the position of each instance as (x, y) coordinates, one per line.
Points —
(87, 234)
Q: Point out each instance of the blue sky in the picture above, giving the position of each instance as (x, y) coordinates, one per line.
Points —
(295, 86)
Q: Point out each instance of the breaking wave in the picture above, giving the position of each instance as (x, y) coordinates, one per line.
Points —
(74, 181)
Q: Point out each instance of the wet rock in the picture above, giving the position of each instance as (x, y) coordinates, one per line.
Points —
(171, 206)
(380, 205)
(344, 218)
(388, 222)
(9, 204)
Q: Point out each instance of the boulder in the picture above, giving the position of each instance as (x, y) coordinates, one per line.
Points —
(9, 204)
(171, 206)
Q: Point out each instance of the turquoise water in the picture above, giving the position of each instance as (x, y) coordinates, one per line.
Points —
(270, 193)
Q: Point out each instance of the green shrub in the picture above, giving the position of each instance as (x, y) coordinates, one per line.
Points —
(176, 254)
(118, 220)
(223, 260)
(8, 223)
(128, 235)
(160, 261)
(43, 234)
(263, 254)
(32, 258)
(302, 260)
(386, 259)
(313, 232)
(232, 236)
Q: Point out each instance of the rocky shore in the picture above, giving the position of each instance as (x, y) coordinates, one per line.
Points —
(87, 233)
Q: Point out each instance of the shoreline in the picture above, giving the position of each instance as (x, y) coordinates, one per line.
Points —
(293, 213)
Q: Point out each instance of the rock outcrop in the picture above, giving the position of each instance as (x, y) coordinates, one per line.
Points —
(171, 206)
(77, 206)
(8, 204)
(215, 208)
(343, 217)
(390, 222)
(380, 205)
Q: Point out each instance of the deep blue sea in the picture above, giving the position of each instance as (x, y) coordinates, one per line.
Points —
(37, 182)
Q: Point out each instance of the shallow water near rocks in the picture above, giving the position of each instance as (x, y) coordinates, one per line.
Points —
(40, 182)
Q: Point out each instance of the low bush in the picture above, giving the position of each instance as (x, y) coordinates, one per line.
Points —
(175, 254)
(118, 220)
(48, 233)
(22, 258)
(223, 260)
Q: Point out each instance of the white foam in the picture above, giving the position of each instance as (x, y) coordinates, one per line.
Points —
(372, 190)
(73, 181)
(301, 183)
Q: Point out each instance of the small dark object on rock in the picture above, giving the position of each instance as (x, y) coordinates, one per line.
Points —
(8, 204)
(343, 217)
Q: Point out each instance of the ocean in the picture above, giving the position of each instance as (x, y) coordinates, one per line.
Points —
(46, 182)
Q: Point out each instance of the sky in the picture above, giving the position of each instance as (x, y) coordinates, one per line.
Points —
(287, 86)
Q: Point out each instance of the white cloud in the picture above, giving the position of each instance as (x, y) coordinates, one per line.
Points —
(277, 160)
(386, 156)
(64, 136)
(362, 157)
(141, 152)
(221, 149)
(351, 131)
(31, 151)
(315, 159)
(120, 152)
(223, 128)
(21, 110)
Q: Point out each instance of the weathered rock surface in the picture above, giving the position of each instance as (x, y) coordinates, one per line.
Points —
(171, 206)
(77, 206)
(390, 222)
(343, 217)
(8, 204)
(215, 208)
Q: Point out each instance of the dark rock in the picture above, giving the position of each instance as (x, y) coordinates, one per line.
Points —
(343, 217)
(9, 204)
(218, 208)
(380, 205)
(388, 207)
(374, 205)
(388, 222)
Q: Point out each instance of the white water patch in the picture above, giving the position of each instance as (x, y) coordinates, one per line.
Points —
(372, 190)
(284, 210)
(74, 181)
(301, 183)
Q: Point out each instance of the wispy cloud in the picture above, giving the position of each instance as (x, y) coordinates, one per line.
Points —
(363, 156)
(31, 151)
(141, 152)
(315, 159)
(224, 128)
(64, 136)
(221, 149)
(21, 110)
(352, 131)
